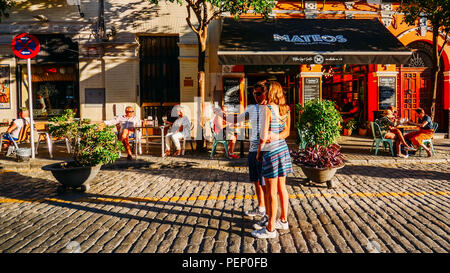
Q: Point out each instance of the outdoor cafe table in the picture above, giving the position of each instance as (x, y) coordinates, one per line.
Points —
(407, 128)
(147, 136)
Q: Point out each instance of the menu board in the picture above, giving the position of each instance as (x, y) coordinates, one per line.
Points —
(232, 93)
(386, 92)
(311, 88)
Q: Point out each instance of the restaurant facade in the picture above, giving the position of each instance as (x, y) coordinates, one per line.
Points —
(100, 56)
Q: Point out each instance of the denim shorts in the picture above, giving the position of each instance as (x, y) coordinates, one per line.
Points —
(255, 169)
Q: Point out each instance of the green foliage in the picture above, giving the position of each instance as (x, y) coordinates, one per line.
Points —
(318, 120)
(350, 124)
(235, 8)
(5, 5)
(91, 146)
(436, 11)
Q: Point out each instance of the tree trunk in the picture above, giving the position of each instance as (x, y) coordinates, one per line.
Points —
(435, 72)
(202, 81)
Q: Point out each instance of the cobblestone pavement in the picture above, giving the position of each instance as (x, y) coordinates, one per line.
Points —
(196, 206)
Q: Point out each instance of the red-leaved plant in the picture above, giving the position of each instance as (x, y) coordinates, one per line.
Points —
(319, 157)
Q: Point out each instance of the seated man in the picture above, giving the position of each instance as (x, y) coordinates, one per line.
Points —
(388, 124)
(14, 130)
(127, 123)
(181, 128)
(220, 125)
(425, 131)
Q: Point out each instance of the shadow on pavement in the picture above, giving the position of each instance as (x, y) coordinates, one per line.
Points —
(386, 172)
(17, 186)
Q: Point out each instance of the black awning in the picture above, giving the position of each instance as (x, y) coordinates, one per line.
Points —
(309, 41)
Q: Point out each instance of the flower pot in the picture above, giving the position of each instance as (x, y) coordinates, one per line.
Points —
(347, 132)
(73, 177)
(362, 132)
(320, 175)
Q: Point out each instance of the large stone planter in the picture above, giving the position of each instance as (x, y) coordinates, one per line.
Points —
(323, 175)
(72, 177)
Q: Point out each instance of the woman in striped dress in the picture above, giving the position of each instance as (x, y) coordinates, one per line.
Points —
(276, 161)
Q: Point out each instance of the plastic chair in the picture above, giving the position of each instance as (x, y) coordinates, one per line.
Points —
(429, 142)
(190, 139)
(217, 141)
(48, 139)
(378, 137)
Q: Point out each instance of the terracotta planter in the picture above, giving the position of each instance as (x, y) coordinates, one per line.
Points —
(362, 132)
(73, 177)
(323, 175)
(347, 132)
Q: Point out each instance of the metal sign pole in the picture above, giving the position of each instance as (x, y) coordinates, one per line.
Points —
(30, 109)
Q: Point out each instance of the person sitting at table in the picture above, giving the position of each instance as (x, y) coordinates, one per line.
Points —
(425, 131)
(125, 126)
(222, 129)
(14, 129)
(350, 110)
(388, 124)
(181, 128)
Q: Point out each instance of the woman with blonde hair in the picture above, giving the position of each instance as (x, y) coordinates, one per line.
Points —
(276, 161)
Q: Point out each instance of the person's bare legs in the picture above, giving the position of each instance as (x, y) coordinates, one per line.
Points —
(426, 149)
(272, 205)
(260, 194)
(284, 198)
(126, 143)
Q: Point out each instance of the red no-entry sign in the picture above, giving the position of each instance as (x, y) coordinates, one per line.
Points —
(25, 46)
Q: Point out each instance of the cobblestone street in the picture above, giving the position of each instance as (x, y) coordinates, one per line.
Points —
(194, 205)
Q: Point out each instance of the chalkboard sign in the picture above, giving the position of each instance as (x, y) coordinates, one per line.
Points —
(386, 92)
(232, 93)
(311, 88)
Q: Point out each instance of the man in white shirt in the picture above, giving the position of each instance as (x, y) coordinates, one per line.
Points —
(15, 128)
(126, 124)
(180, 129)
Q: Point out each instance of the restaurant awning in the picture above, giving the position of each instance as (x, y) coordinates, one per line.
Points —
(309, 41)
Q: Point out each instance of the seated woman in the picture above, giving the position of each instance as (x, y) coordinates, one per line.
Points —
(220, 125)
(387, 123)
(425, 132)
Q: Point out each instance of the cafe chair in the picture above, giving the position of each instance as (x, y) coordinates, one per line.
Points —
(217, 141)
(378, 137)
(190, 140)
(429, 142)
(48, 139)
(24, 136)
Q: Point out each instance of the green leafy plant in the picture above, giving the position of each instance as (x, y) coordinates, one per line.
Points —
(318, 120)
(318, 126)
(91, 146)
(350, 124)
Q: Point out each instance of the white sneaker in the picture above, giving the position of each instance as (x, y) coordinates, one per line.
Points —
(255, 212)
(261, 223)
(281, 225)
(264, 234)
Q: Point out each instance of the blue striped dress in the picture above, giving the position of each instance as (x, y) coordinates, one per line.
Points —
(276, 159)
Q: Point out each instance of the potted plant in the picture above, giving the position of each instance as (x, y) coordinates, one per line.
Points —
(363, 127)
(349, 126)
(319, 123)
(91, 148)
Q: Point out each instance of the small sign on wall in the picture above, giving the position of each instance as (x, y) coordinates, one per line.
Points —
(188, 82)
(94, 97)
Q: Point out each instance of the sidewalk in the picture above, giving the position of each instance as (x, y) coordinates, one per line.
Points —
(356, 151)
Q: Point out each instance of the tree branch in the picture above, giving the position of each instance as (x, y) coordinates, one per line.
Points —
(188, 20)
(216, 13)
(443, 45)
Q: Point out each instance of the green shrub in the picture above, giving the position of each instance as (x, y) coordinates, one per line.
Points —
(90, 146)
(318, 121)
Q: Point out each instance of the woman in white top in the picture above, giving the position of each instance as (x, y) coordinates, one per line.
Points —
(180, 129)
